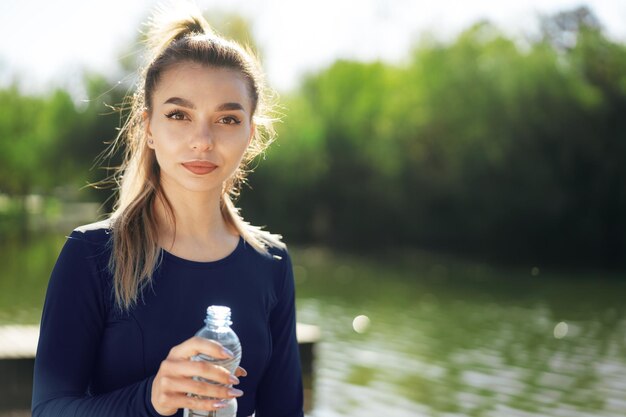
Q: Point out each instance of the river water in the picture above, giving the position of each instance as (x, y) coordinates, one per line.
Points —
(436, 337)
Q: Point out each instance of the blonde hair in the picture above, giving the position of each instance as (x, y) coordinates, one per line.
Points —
(172, 39)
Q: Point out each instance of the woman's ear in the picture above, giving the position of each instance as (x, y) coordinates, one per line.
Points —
(146, 126)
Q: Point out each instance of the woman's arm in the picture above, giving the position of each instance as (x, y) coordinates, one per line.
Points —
(71, 327)
(280, 390)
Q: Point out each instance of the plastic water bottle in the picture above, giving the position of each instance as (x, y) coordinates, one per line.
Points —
(217, 327)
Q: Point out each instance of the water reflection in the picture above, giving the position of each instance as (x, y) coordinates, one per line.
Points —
(25, 267)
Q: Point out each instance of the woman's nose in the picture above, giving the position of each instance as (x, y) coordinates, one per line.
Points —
(202, 139)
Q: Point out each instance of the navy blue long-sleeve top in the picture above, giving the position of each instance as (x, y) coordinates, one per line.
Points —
(94, 360)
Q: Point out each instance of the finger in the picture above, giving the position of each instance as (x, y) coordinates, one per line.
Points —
(204, 389)
(241, 371)
(196, 403)
(196, 345)
(202, 369)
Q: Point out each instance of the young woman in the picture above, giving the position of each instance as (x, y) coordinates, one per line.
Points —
(127, 294)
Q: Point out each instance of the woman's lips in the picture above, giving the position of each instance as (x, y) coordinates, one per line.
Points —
(200, 167)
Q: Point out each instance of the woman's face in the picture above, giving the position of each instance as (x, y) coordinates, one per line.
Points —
(200, 126)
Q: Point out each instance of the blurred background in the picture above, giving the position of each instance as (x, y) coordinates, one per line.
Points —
(450, 178)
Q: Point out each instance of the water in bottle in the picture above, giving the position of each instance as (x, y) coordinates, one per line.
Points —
(217, 327)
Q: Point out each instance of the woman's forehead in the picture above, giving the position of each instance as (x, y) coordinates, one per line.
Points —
(202, 84)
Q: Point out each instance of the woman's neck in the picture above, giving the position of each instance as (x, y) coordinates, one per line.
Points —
(195, 229)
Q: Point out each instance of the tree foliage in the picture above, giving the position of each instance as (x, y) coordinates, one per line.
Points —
(479, 146)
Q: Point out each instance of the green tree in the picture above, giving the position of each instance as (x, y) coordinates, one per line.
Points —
(479, 146)
(32, 127)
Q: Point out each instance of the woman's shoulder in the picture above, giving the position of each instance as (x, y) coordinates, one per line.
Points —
(85, 253)
(98, 233)
(273, 259)
(279, 253)
(266, 246)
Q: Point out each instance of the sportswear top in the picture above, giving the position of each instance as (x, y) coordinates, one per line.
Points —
(94, 360)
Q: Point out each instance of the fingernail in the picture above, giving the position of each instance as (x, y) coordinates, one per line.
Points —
(233, 379)
(245, 373)
(219, 405)
(228, 352)
(235, 392)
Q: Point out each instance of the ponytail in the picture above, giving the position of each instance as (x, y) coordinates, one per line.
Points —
(167, 25)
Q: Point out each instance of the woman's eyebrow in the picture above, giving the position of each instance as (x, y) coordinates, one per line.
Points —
(180, 102)
(186, 103)
(229, 106)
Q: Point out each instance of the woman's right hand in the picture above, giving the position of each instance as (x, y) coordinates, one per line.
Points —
(174, 379)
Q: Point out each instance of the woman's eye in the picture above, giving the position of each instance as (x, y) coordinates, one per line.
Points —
(229, 120)
(175, 115)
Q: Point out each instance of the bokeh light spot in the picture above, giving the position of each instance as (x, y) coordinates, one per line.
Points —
(560, 330)
(361, 323)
